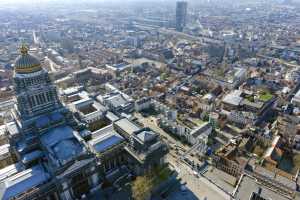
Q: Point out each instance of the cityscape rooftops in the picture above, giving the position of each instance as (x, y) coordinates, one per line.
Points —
(233, 98)
(23, 181)
(45, 120)
(4, 149)
(27, 158)
(111, 116)
(117, 100)
(119, 67)
(248, 185)
(2, 130)
(10, 170)
(296, 98)
(118, 72)
(62, 144)
(105, 138)
(127, 126)
(72, 90)
(251, 101)
(12, 128)
(146, 136)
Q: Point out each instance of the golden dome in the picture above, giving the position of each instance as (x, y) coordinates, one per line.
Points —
(26, 63)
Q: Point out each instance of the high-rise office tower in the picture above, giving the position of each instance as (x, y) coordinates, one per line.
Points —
(181, 15)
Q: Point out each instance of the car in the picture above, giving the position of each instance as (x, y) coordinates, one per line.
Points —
(196, 174)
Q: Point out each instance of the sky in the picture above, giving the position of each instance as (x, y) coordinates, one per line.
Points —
(40, 1)
(69, 1)
(86, 1)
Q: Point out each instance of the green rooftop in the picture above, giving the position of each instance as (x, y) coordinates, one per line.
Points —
(265, 96)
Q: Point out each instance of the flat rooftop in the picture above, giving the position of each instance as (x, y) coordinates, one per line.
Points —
(233, 98)
(249, 185)
(10, 170)
(2, 130)
(22, 182)
(118, 100)
(127, 126)
(62, 144)
(146, 136)
(105, 138)
(4, 149)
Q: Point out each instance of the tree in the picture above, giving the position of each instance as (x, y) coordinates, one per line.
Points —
(141, 187)
(205, 116)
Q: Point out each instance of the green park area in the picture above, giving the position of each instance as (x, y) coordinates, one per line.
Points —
(265, 96)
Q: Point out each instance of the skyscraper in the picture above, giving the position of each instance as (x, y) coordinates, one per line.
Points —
(181, 15)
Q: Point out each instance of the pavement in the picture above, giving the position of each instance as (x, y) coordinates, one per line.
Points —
(249, 184)
(198, 185)
(221, 178)
(182, 195)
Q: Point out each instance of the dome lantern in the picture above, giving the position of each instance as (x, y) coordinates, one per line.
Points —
(24, 49)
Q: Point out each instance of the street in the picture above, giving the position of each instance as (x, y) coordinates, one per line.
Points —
(200, 186)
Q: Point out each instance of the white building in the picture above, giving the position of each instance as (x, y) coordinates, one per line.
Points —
(88, 109)
(296, 99)
(200, 134)
(142, 104)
